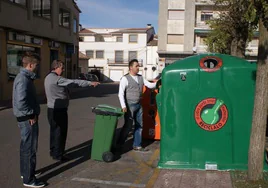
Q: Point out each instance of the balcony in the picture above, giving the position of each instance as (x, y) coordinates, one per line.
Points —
(201, 25)
(204, 2)
(121, 62)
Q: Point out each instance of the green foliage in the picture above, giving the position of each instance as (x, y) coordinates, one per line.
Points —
(262, 11)
(236, 22)
(251, 13)
(219, 38)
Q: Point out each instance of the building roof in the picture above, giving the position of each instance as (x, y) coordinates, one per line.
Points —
(76, 6)
(132, 30)
(113, 30)
(86, 31)
(83, 56)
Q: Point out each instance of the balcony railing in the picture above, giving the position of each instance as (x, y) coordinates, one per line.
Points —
(122, 62)
(205, 2)
(202, 25)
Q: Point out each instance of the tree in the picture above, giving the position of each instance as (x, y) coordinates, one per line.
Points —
(231, 30)
(257, 138)
(219, 39)
(237, 23)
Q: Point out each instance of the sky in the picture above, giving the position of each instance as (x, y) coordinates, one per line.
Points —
(118, 13)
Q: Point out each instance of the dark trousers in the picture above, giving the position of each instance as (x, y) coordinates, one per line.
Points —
(58, 120)
(28, 149)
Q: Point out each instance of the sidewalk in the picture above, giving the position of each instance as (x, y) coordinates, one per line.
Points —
(136, 169)
(193, 179)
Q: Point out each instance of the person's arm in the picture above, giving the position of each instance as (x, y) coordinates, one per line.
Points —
(149, 84)
(121, 94)
(81, 83)
(22, 103)
(21, 98)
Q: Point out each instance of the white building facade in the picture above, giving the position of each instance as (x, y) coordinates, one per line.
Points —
(110, 50)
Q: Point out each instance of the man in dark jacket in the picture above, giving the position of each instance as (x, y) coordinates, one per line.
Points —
(56, 88)
(26, 109)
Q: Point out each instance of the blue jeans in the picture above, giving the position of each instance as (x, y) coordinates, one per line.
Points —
(28, 149)
(133, 116)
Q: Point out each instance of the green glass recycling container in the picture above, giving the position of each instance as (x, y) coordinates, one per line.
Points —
(205, 104)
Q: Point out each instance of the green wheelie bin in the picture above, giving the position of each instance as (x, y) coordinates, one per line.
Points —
(104, 131)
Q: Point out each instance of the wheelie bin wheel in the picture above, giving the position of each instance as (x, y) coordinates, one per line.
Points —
(108, 156)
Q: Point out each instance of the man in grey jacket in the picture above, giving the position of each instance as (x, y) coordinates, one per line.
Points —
(26, 109)
(56, 88)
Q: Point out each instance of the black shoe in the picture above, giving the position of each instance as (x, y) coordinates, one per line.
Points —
(141, 149)
(61, 158)
(35, 184)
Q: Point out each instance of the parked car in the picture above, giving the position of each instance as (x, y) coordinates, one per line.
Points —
(89, 77)
(82, 76)
(92, 77)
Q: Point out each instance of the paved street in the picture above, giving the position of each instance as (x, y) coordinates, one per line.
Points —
(132, 169)
(80, 133)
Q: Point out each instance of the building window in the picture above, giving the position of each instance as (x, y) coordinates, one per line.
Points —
(14, 59)
(205, 16)
(176, 14)
(119, 56)
(90, 54)
(64, 18)
(99, 54)
(133, 38)
(132, 55)
(75, 26)
(42, 8)
(81, 39)
(119, 39)
(99, 38)
(175, 39)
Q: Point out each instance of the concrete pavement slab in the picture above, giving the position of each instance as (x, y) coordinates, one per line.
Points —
(133, 169)
(169, 178)
(193, 179)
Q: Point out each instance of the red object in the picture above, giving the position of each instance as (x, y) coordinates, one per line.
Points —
(151, 121)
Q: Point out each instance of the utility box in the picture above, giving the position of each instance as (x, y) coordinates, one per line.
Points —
(205, 105)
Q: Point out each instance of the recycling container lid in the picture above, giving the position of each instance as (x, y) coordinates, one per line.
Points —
(107, 110)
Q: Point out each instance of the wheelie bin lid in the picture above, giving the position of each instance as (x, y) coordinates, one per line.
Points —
(107, 110)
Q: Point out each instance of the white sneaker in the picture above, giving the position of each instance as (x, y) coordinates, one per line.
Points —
(141, 149)
(36, 175)
(35, 184)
